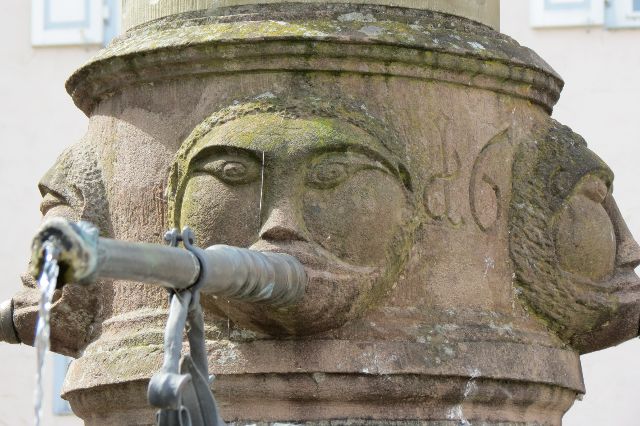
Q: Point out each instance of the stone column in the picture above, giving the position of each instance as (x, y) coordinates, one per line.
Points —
(136, 12)
(463, 248)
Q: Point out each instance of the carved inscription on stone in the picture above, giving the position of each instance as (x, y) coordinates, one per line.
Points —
(485, 194)
(489, 171)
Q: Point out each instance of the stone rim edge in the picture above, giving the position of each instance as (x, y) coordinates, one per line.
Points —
(133, 58)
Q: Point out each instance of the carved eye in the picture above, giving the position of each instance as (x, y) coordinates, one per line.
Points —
(332, 169)
(327, 175)
(235, 171)
(585, 239)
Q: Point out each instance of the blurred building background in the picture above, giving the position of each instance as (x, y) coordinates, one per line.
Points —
(593, 44)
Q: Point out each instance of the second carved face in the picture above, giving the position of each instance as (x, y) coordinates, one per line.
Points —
(574, 257)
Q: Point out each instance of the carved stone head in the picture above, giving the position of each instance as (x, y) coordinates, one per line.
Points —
(318, 180)
(573, 254)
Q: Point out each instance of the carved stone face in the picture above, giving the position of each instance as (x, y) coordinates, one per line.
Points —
(574, 255)
(597, 254)
(320, 189)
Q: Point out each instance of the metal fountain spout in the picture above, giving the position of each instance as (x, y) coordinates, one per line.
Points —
(181, 389)
(230, 272)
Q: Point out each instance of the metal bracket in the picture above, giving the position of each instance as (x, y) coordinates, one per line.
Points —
(181, 389)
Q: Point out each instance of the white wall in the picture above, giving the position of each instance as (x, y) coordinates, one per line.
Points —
(601, 101)
(37, 120)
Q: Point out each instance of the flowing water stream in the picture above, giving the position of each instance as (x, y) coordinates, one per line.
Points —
(47, 285)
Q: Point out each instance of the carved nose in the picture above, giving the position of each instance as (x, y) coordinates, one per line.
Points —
(628, 251)
(282, 225)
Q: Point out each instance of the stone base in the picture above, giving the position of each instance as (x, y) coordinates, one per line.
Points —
(360, 422)
(399, 400)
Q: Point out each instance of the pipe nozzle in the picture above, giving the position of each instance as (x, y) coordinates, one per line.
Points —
(77, 244)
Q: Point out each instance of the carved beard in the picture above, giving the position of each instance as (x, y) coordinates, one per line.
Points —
(335, 293)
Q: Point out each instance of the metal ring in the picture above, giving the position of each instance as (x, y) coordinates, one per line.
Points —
(173, 237)
(188, 240)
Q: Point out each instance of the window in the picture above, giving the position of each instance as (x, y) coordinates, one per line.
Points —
(611, 14)
(111, 20)
(623, 14)
(565, 4)
(567, 13)
(74, 22)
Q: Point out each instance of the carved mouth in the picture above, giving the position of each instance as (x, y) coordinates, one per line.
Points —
(624, 280)
(315, 259)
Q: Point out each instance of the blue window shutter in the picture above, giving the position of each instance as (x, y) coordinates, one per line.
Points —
(67, 22)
